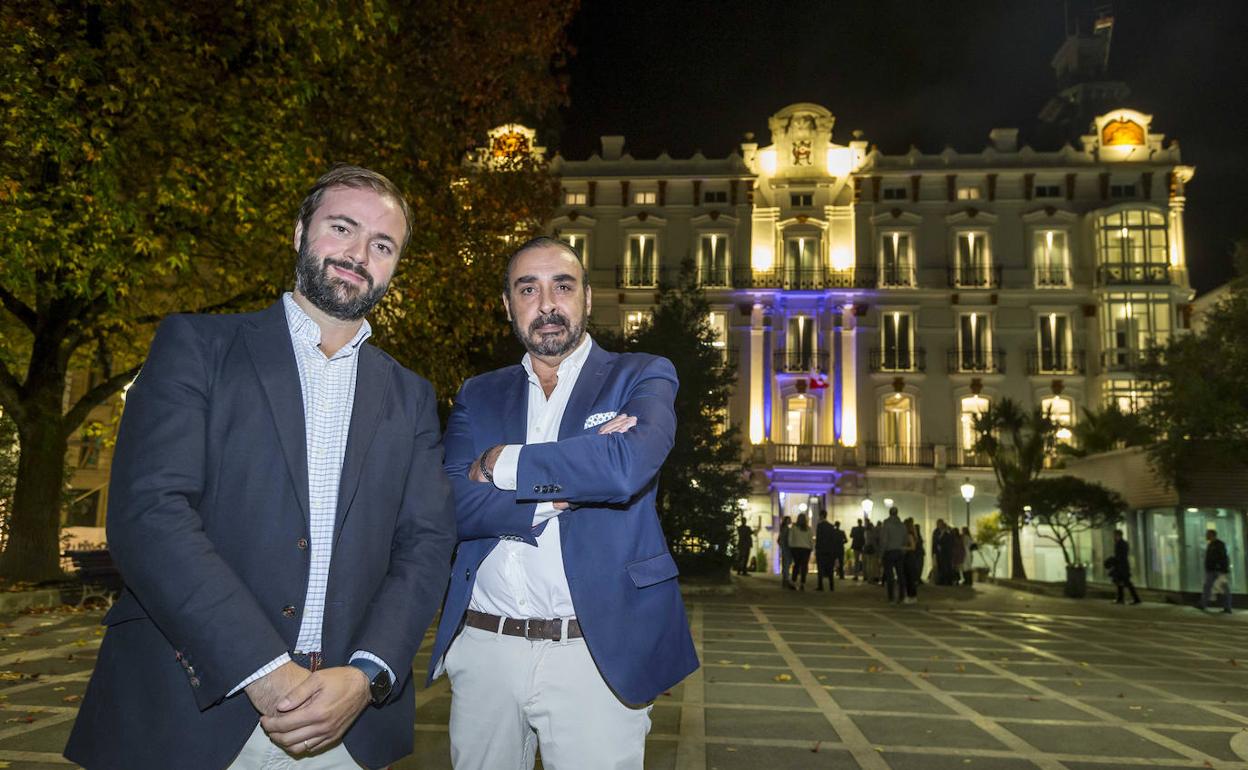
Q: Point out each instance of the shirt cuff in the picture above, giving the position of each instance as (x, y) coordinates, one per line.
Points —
(366, 655)
(543, 512)
(505, 467)
(264, 670)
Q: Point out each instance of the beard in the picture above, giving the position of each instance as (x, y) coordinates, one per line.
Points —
(332, 295)
(550, 344)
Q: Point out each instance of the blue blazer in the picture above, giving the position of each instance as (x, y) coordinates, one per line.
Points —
(622, 578)
(208, 524)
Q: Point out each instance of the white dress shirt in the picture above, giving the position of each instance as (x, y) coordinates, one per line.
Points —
(328, 387)
(517, 580)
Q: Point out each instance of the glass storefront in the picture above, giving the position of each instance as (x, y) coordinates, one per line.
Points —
(1229, 524)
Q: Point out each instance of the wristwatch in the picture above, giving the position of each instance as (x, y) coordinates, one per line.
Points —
(379, 683)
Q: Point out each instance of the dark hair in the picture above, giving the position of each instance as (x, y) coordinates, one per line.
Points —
(356, 178)
(543, 241)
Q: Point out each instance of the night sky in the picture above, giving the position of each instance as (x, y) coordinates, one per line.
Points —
(685, 76)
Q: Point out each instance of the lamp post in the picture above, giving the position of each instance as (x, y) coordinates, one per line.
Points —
(867, 505)
(968, 493)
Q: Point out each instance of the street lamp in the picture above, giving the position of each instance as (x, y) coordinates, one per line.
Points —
(968, 493)
(867, 505)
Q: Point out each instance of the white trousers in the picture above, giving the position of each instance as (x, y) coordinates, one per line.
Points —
(261, 753)
(509, 694)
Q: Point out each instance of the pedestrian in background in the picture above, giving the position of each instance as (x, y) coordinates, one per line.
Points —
(1217, 571)
(968, 562)
(910, 562)
(745, 546)
(957, 554)
(786, 556)
(1120, 570)
(857, 541)
(800, 540)
(871, 549)
(892, 534)
(838, 549)
(825, 551)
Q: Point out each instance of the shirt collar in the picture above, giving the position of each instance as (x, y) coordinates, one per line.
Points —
(304, 329)
(567, 366)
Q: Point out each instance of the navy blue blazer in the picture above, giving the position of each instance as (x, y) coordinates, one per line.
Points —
(622, 578)
(208, 520)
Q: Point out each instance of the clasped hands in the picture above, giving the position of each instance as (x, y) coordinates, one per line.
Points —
(621, 423)
(303, 711)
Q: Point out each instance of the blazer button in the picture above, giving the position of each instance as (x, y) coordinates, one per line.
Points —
(289, 610)
(194, 681)
(537, 488)
(302, 544)
(556, 488)
(467, 574)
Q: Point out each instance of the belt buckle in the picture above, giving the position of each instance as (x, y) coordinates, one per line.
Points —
(539, 629)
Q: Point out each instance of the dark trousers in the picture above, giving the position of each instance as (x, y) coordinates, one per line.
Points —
(892, 574)
(801, 564)
(1126, 583)
(826, 564)
(911, 568)
(968, 577)
(839, 560)
(743, 560)
(1206, 595)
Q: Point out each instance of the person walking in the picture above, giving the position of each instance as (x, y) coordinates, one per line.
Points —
(745, 546)
(1217, 572)
(786, 555)
(920, 554)
(871, 549)
(892, 536)
(857, 541)
(910, 562)
(957, 554)
(838, 549)
(968, 562)
(800, 535)
(1120, 570)
(825, 552)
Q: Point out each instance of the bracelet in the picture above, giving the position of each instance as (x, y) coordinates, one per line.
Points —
(486, 472)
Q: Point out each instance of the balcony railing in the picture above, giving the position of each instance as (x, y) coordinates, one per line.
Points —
(923, 455)
(977, 361)
(1122, 359)
(806, 454)
(913, 360)
(1064, 362)
(797, 280)
(715, 277)
(975, 278)
(799, 361)
(966, 458)
(1134, 274)
(631, 277)
(1053, 277)
(897, 278)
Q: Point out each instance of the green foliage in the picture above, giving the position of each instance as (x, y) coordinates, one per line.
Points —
(703, 477)
(1067, 506)
(989, 533)
(8, 472)
(1200, 404)
(1106, 430)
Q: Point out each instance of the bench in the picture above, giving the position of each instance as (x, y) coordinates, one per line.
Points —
(97, 575)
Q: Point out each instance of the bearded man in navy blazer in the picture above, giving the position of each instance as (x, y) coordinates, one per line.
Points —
(280, 516)
(563, 620)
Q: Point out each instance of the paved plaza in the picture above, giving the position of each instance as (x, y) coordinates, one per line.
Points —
(992, 679)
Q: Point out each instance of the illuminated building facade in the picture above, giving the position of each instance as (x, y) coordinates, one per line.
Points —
(874, 303)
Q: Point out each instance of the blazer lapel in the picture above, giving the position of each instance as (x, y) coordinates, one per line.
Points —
(515, 406)
(588, 385)
(372, 383)
(274, 359)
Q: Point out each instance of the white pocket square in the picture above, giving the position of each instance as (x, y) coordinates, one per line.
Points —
(597, 419)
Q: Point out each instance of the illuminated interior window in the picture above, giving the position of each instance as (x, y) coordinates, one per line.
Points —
(642, 267)
(635, 321)
(896, 341)
(896, 259)
(969, 408)
(575, 198)
(968, 193)
(1060, 410)
(578, 242)
(648, 198)
(718, 323)
(1053, 344)
(1051, 259)
(713, 260)
(974, 259)
(1122, 132)
(898, 434)
(975, 342)
(799, 420)
(1133, 322)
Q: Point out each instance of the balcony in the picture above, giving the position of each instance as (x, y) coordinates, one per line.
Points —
(1053, 278)
(634, 277)
(804, 454)
(898, 278)
(965, 458)
(913, 360)
(804, 280)
(1122, 359)
(916, 455)
(1061, 362)
(801, 361)
(976, 361)
(715, 277)
(1134, 274)
(978, 278)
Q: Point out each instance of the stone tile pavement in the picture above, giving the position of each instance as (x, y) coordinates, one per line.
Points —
(988, 678)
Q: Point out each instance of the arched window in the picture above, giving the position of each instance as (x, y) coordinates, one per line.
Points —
(1060, 410)
(799, 420)
(898, 429)
(968, 408)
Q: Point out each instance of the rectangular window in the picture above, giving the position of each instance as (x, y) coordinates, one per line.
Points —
(974, 266)
(799, 344)
(802, 262)
(645, 198)
(896, 342)
(577, 241)
(896, 260)
(1048, 191)
(802, 199)
(894, 193)
(970, 193)
(575, 198)
(1051, 259)
(715, 196)
(975, 343)
(718, 323)
(713, 260)
(1122, 191)
(642, 268)
(1129, 395)
(1133, 323)
(635, 321)
(1053, 338)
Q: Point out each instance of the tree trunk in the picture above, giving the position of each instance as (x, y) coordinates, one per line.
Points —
(33, 550)
(1017, 570)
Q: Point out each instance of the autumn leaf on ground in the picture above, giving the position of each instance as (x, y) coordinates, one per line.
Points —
(815, 749)
(783, 678)
(58, 689)
(72, 698)
(1033, 699)
(961, 669)
(1232, 662)
(874, 669)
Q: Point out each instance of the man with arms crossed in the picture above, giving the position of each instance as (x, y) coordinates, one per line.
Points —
(281, 519)
(563, 619)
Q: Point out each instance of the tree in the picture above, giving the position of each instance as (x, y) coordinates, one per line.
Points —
(1200, 391)
(703, 477)
(155, 152)
(990, 534)
(1106, 430)
(8, 472)
(1016, 442)
(1068, 506)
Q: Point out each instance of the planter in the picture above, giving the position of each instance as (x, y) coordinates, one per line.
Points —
(1076, 581)
(981, 574)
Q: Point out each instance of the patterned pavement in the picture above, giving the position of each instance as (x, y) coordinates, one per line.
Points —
(991, 679)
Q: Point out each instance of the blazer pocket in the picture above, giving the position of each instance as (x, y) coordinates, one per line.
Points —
(656, 569)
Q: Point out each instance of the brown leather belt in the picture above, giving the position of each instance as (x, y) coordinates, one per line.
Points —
(531, 628)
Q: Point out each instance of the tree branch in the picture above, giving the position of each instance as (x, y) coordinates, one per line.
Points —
(94, 397)
(19, 309)
(10, 391)
(233, 303)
